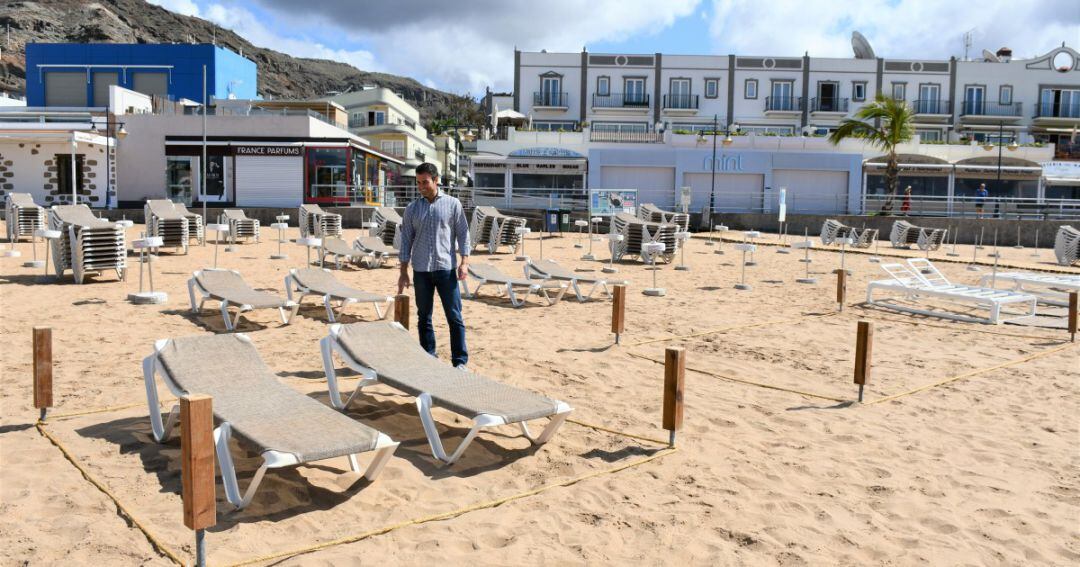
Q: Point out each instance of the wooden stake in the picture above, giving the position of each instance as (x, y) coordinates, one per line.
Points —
(674, 374)
(1073, 315)
(197, 461)
(401, 310)
(43, 370)
(841, 287)
(618, 311)
(864, 345)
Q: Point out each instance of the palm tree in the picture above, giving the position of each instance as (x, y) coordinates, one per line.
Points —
(884, 124)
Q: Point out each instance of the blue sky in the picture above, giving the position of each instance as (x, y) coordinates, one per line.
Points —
(467, 45)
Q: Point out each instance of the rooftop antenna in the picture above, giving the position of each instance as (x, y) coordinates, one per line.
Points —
(860, 46)
(967, 42)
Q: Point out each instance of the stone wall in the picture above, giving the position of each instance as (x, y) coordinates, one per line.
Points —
(31, 167)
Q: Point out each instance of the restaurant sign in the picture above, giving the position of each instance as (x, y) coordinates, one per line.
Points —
(276, 151)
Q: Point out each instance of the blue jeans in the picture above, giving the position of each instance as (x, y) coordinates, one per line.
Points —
(445, 281)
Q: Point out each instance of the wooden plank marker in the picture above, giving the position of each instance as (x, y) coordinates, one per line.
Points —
(43, 370)
(1073, 314)
(674, 375)
(864, 345)
(401, 310)
(841, 287)
(618, 311)
(197, 468)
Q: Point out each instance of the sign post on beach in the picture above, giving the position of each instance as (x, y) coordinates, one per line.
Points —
(864, 344)
(841, 287)
(618, 311)
(674, 375)
(43, 399)
(401, 310)
(1073, 315)
(197, 468)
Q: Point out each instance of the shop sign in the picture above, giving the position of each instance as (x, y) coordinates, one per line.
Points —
(275, 151)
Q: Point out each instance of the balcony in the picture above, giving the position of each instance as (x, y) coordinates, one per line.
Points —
(932, 109)
(1057, 114)
(783, 105)
(621, 102)
(546, 100)
(631, 137)
(983, 111)
(681, 104)
(829, 105)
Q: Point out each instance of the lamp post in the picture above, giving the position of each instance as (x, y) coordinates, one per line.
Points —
(120, 134)
(1000, 143)
(712, 180)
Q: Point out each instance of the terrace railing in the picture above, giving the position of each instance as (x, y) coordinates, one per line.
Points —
(986, 108)
(621, 100)
(680, 101)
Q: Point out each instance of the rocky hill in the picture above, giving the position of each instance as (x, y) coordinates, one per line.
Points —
(136, 21)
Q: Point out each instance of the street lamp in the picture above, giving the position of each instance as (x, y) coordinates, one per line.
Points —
(120, 135)
(1012, 147)
(712, 182)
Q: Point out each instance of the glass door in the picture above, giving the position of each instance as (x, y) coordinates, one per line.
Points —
(635, 92)
(929, 100)
(181, 179)
(827, 97)
(549, 91)
(974, 100)
(680, 94)
(217, 177)
(781, 96)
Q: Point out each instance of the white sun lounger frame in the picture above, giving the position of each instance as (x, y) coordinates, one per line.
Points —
(507, 287)
(230, 324)
(533, 272)
(291, 285)
(331, 344)
(1047, 282)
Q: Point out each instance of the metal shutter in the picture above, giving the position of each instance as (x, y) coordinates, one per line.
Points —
(735, 192)
(811, 191)
(65, 88)
(654, 184)
(151, 83)
(269, 181)
(102, 81)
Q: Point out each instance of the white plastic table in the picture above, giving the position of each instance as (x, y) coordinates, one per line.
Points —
(47, 235)
(217, 228)
(309, 243)
(523, 233)
(615, 238)
(147, 297)
(652, 250)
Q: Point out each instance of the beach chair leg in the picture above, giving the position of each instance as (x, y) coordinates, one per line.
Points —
(383, 311)
(329, 308)
(549, 430)
(160, 431)
(225, 315)
(286, 317)
(513, 295)
(382, 456)
(423, 404)
(325, 345)
(228, 470)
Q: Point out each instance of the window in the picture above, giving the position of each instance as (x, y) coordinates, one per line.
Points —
(63, 173)
(179, 179)
(750, 88)
(929, 99)
(712, 88)
(634, 91)
(621, 127)
(395, 148)
(767, 130)
(495, 180)
(376, 118)
(899, 91)
(782, 97)
(929, 135)
(679, 95)
(327, 170)
(1064, 103)
(603, 86)
(692, 127)
(550, 90)
(974, 99)
(858, 91)
(1005, 94)
(555, 126)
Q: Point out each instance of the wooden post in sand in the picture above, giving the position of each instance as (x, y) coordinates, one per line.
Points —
(864, 344)
(401, 310)
(841, 287)
(618, 311)
(1073, 315)
(197, 468)
(674, 374)
(43, 399)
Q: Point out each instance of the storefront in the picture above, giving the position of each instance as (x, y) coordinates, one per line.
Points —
(1061, 180)
(531, 168)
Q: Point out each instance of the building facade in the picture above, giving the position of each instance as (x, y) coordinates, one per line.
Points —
(392, 125)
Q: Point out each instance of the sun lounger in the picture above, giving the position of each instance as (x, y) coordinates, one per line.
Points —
(320, 282)
(228, 287)
(338, 248)
(486, 274)
(913, 285)
(1067, 245)
(904, 234)
(87, 244)
(240, 226)
(318, 223)
(637, 232)
(832, 229)
(494, 229)
(1051, 289)
(387, 226)
(195, 223)
(284, 426)
(386, 353)
(167, 223)
(551, 270)
(374, 250)
(23, 216)
(652, 213)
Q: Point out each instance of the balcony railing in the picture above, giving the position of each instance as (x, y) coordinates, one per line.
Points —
(783, 103)
(681, 101)
(932, 106)
(985, 108)
(643, 137)
(1057, 110)
(828, 104)
(621, 100)
(547, 98)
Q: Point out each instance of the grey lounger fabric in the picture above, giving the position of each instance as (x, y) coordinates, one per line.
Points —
(229, 286)
(322, 282)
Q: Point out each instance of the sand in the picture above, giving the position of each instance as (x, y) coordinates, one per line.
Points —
(978, 471)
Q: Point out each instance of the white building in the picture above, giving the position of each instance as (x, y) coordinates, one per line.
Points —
(391, 124)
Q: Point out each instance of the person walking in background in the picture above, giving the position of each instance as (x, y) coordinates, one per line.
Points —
(980, 200)
(905, 207)
(433, 230)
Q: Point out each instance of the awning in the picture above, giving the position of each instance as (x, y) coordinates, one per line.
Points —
(1062, 181)
(994, 168)
(510, 114)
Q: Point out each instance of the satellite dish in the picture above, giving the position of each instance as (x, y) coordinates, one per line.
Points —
(861, 47)
(989, 57)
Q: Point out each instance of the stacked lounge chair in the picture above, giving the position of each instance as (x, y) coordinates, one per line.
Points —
(1067, 245)
(494, 229)
(375, 251)
(318, 223)
(487, 274)
(551, 270)
(652, 213)
(228, 287)
(87, 244)
(240, 226)
(164, 221)
(832, 229)
(904, 234)
(921, 280)
(637, 232)
(23, 216)
(195, 223)
(1051, 289)
(320, 282)
(386, 353)
(387, 226)
(285, 427)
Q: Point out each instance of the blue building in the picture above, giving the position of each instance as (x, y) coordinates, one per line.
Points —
(80, 74)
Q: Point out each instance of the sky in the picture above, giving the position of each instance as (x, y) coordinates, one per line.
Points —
(465, 46)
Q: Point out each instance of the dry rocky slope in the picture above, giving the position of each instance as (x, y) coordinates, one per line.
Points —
(136, 21)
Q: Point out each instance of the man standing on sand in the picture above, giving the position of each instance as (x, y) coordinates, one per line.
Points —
(432, 230)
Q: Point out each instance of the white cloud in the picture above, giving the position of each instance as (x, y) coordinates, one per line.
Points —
(185, 7)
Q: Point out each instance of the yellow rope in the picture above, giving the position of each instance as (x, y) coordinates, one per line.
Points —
(741, 381)
(454, 513)
(972, 373)
(154, 541)
(735, 328)
(616, 432)
(101, 410)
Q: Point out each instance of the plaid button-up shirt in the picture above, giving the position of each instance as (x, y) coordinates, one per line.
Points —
(432, 232)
